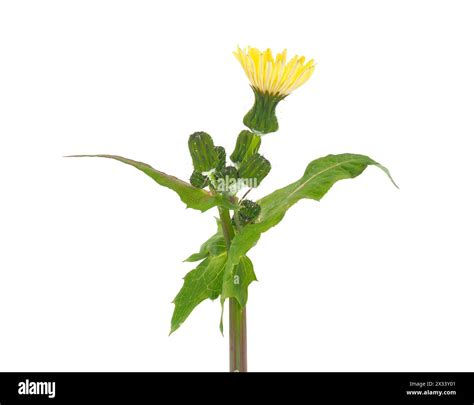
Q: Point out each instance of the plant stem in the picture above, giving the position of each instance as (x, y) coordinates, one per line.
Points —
(237, 336)
(227, 229)
(237, 314)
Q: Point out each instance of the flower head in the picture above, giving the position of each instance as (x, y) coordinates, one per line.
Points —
(272, 79)
(274, 76)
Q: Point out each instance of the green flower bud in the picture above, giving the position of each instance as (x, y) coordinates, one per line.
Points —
(247, 144)
(202, 152)
(198, 180)
(254, 170)
(227, 180)
(230, 172)
(248, 211)
(221, 157)
(262, 118)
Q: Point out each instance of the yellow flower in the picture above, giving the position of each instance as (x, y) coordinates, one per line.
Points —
(274, 76)
(271, 79)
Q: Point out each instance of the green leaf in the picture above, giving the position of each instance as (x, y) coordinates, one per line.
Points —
(236, 282)
(193, 197)
(319, 177)
(205, 281)
(214, 246)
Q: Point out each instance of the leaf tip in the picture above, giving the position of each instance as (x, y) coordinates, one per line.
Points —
(174, 327)
(387, 172)
(72, 156)
(392, 180)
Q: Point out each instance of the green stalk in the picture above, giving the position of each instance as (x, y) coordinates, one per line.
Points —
(237, 314)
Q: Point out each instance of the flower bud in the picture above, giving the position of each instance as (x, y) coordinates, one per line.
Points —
(271, 79)
(220, 157)
(247, 144)
(262, 118)
(254, 170)
(198, 180)
(227, 180)
(202, 152)
(230, 172)
(249, 210)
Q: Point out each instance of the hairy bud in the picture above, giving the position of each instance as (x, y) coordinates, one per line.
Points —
(220, 157)
(248, 212)
(198, 180)
(203, 153)
(254, 170)
(247, 144)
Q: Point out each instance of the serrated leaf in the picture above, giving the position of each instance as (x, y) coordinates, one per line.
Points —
(214, 246)
(235, 283)
(205, 281)
(319, 177)
(193, 197)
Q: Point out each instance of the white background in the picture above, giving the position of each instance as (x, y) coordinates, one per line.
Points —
(370, 279)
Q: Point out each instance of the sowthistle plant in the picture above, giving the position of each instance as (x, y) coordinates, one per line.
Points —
(224, 269)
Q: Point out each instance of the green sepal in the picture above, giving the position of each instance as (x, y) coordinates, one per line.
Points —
(203, 152)
(254, 170)
(262, 118)
(247, 144)
(198, 180)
